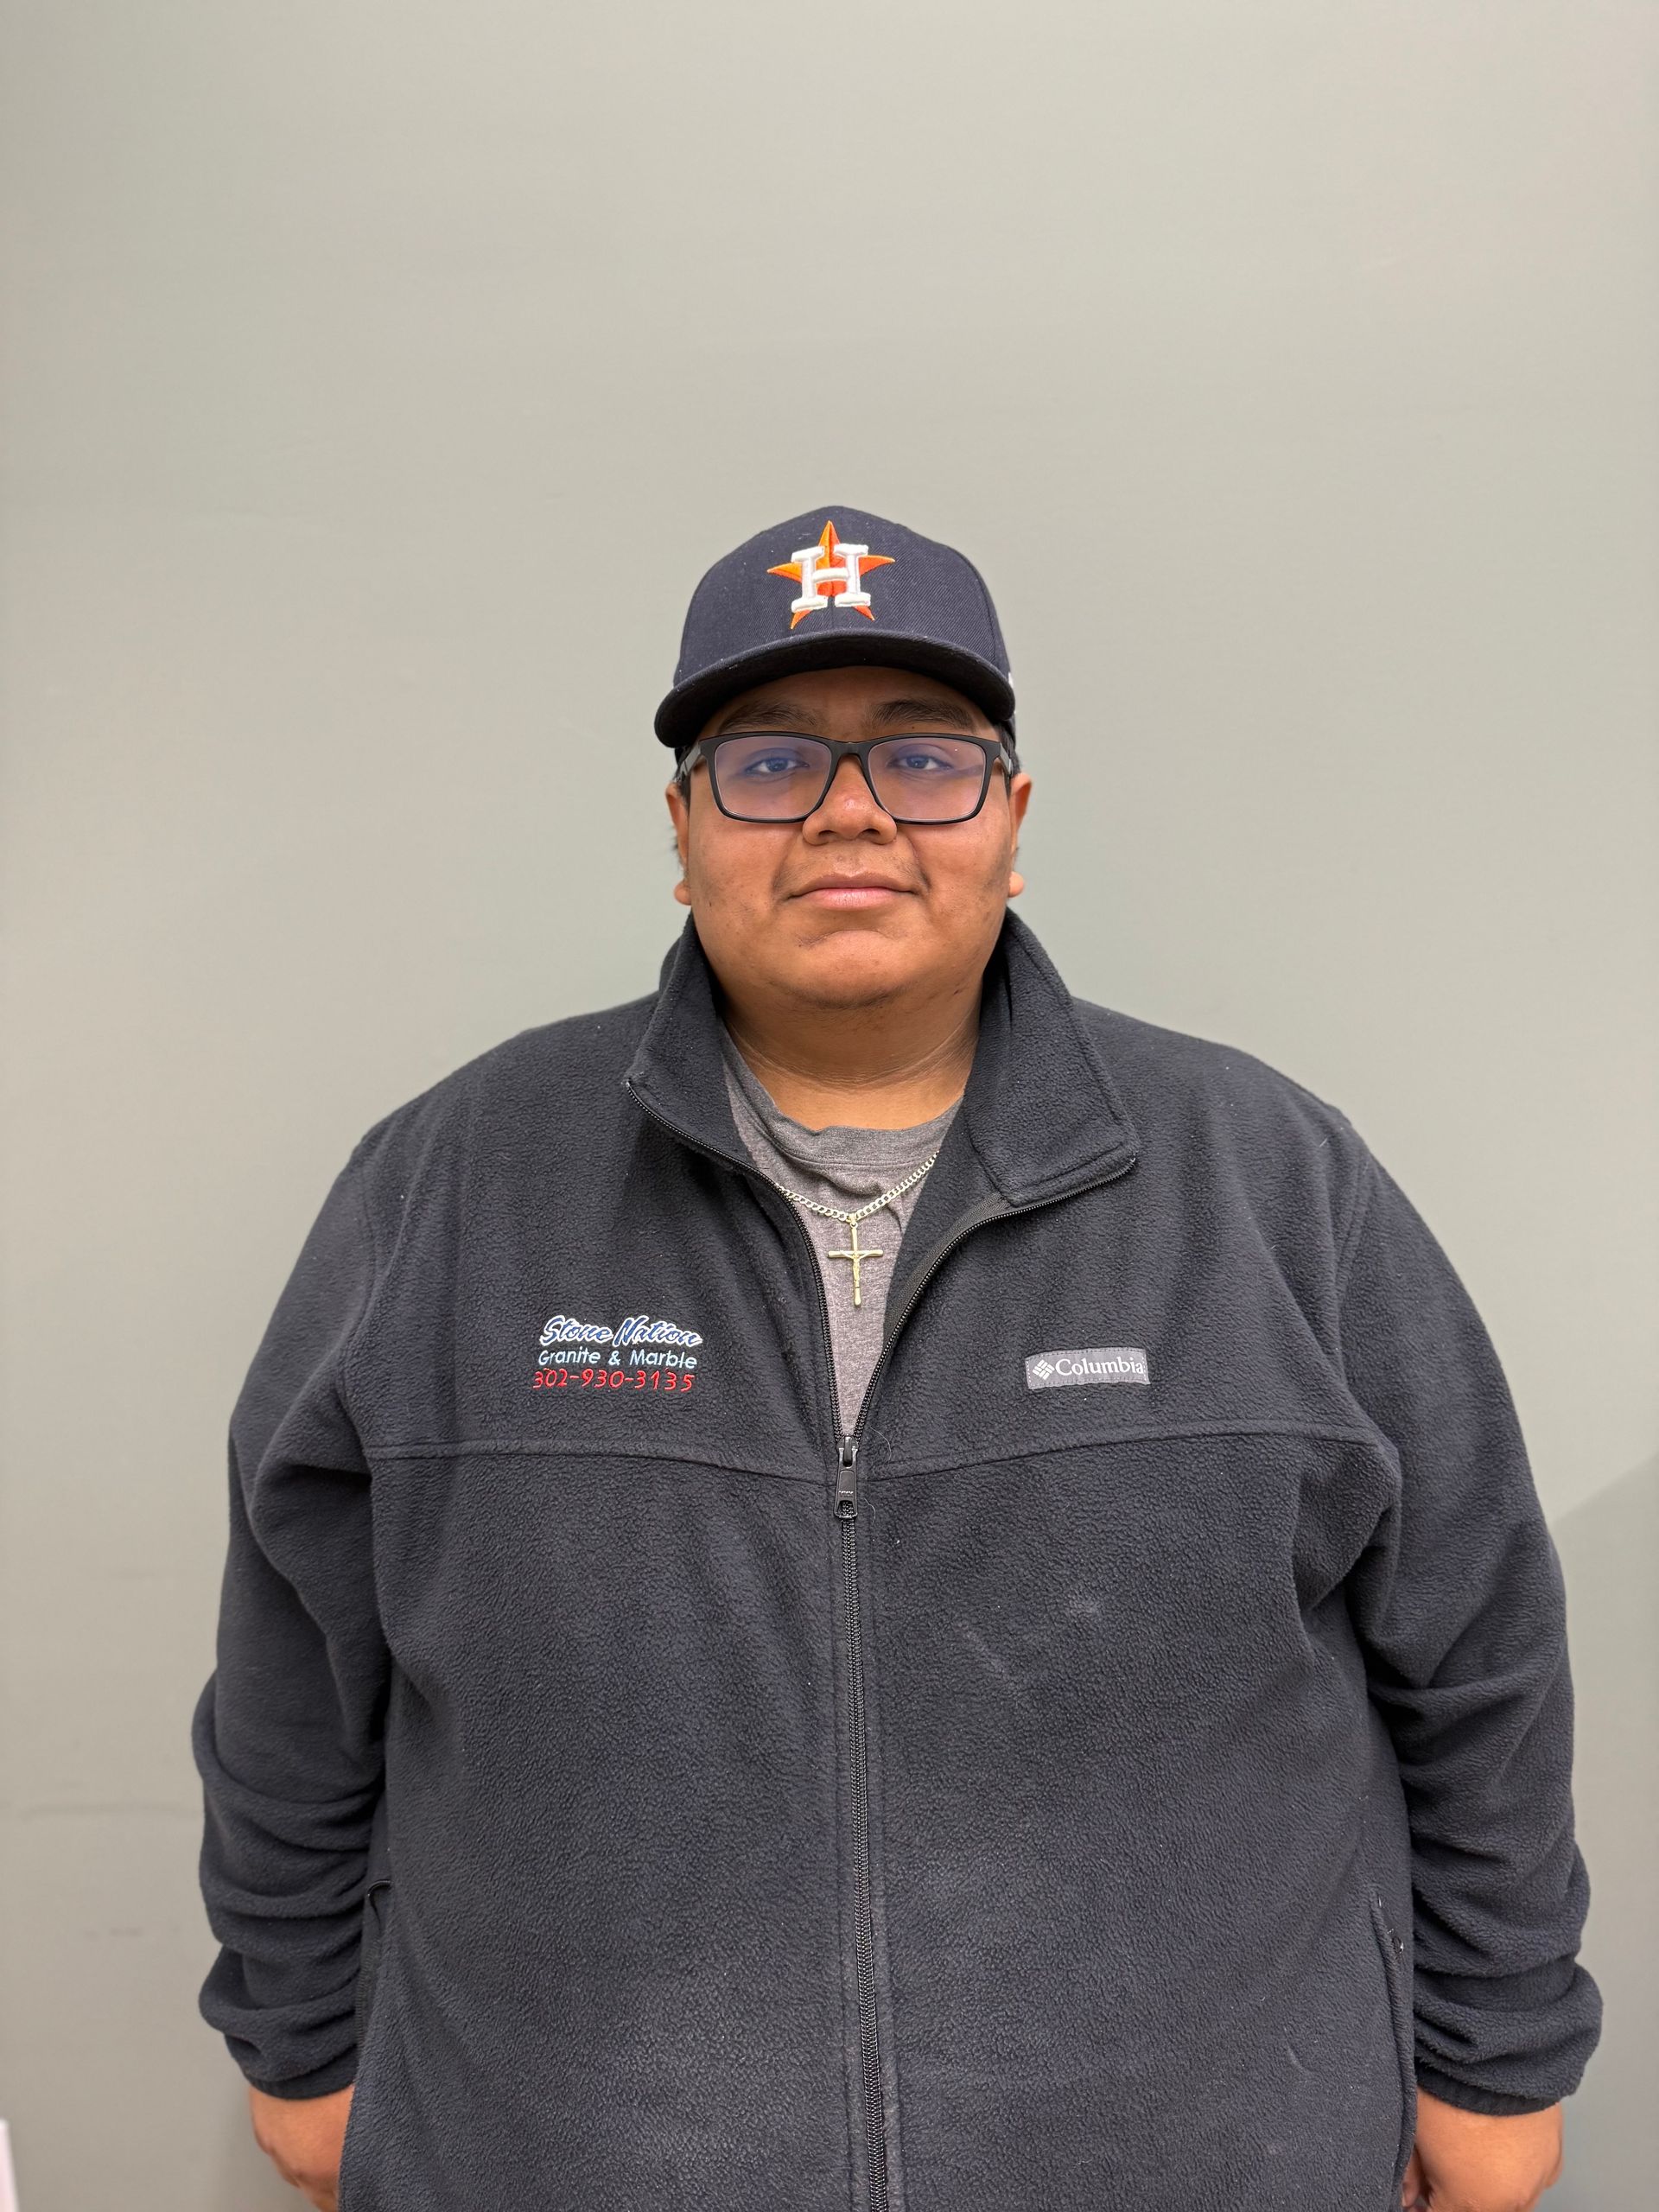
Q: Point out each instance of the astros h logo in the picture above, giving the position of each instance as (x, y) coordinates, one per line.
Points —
(830, 570)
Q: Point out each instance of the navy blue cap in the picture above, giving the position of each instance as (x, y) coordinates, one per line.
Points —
(834, 586)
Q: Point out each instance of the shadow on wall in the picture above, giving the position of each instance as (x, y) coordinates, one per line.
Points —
(1609, 1551)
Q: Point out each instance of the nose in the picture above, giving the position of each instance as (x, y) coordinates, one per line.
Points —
(850, 808)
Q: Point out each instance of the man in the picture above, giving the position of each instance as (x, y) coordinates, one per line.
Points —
(861, 1586)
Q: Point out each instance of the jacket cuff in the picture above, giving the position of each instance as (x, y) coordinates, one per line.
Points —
(1488, 2101)
(337, 2073)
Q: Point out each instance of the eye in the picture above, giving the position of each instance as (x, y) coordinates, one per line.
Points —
(916, 757)
(764, 765)
(766, 758)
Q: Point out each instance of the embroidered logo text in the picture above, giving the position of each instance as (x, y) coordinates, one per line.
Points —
(647, 1354)
(1053, 1370)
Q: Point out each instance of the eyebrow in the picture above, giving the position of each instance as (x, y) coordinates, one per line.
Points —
(933, 710)
(778, 714)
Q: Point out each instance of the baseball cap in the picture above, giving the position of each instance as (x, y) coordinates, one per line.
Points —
(829, 588)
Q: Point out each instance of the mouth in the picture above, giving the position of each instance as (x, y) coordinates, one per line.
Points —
(843, 892)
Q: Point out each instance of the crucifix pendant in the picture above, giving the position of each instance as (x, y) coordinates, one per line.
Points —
(858, 1254)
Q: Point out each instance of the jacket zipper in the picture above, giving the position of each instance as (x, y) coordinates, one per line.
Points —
(869, 2046)
(846, 1511)
(846, 1508)
(846, 1517)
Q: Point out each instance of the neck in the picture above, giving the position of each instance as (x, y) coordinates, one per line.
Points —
(866, 1068)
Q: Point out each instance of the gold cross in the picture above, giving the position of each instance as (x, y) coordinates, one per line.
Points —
(858, 1254)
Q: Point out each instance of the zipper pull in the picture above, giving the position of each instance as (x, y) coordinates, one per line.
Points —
(846, 1503)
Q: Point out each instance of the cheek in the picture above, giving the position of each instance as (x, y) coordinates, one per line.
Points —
(964, 872)
(730, 870)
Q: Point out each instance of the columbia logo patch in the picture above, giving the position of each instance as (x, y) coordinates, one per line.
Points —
(1053, 1370)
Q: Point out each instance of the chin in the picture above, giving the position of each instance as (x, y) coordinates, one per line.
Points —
(854, 968)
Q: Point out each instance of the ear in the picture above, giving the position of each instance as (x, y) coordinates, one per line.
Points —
(1019, 793)
(680, 815)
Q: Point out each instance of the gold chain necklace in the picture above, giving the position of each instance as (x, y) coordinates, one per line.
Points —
(855, 1252)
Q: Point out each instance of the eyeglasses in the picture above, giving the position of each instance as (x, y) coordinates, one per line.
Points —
(777, 776)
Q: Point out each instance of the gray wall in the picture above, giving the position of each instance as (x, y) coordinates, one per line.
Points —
(381, 378)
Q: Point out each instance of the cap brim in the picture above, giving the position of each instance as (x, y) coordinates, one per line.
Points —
(686, 709)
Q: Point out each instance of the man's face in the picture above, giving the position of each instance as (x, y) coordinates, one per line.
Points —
(848, 907)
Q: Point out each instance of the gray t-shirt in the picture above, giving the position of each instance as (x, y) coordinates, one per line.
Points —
(839, 1167)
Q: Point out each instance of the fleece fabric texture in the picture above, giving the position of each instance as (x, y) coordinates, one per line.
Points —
(1128, 1803)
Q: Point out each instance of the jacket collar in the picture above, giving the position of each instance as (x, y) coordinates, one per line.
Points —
(1040, 1114)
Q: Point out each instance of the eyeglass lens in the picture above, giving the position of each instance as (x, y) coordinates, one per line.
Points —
(765, 777)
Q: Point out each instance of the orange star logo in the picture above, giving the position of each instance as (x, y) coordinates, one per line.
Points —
(830, 570)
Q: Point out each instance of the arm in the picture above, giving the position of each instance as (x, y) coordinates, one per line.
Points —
(287, 1733)
(1459, 1607)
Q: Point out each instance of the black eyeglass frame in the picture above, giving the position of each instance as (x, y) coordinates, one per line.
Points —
(994, 748)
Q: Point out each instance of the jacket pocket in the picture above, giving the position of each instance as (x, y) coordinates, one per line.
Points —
(376, 1909)
(371, 1977)
(1400, 2014)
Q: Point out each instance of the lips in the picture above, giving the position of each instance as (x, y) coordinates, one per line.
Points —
(852, 890)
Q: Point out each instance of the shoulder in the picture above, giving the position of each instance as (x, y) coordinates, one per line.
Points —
(1170, 1071)
(558, 1073)
(1200, 1102)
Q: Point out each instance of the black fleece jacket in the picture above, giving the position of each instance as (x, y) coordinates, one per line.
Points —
(1064, 1793)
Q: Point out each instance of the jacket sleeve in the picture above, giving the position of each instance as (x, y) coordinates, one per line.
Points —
(1459, 1606)
(287, 1733)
